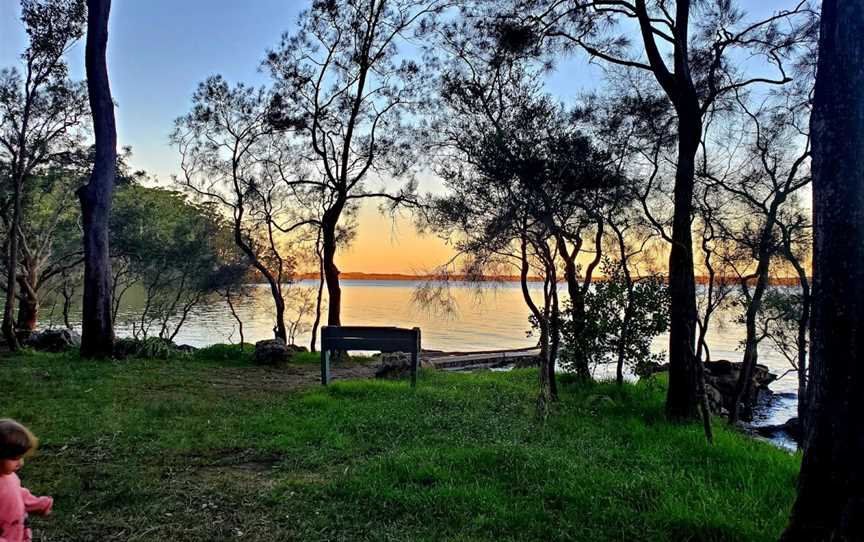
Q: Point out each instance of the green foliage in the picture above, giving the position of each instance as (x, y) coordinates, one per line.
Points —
(623, 317)
(178, 251)
(226, 352)
(150, 348)
(461, 457)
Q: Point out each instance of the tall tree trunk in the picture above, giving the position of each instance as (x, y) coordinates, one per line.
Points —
(12, 268)
(28, 302)
(830, 503)
(97, 331)
(682, 397)
(577, 305)
(331, 272)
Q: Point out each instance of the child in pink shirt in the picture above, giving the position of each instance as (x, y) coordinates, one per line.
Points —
(16, 441)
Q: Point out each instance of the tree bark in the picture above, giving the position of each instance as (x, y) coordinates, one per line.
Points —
(682, 396)
(830, 503)
(97, 331)
(331, 272)
(28, 301)
(319, 294)
(11, 268)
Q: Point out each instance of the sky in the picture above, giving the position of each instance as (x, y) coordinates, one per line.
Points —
(158, 52)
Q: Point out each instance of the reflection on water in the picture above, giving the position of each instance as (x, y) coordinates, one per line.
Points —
(493, 318)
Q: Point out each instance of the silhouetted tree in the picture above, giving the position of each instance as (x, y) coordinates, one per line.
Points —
(830, 503)
(228, 159)
(340, 78)
(700, 75)
(764, 179)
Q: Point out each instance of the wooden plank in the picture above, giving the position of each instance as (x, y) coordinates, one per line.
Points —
(384, 345)
(357, 332)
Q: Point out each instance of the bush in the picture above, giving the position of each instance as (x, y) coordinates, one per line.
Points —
(226, 352)
(151, 347)
(616, 313)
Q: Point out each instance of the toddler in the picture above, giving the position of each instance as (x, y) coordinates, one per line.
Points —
(16, 442)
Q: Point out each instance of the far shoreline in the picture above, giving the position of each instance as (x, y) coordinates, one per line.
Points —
(405, 277)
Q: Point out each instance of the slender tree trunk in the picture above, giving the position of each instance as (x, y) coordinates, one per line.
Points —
(97, 332)
(12, 267)
(744, 386)
(331, 272)
(545, 397)
(803, 375)
(320, 294)
(830, 503)
(577, 304)
(67, 301)
(682, 397)
(235, 315)
(554, 339)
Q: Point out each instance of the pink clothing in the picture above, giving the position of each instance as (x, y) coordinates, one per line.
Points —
(15, 503)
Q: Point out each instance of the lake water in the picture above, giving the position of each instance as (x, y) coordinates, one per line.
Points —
(494, 317)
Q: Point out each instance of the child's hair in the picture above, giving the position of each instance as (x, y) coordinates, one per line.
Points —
(15, 440)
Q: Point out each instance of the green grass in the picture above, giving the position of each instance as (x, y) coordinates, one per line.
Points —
(152, 450)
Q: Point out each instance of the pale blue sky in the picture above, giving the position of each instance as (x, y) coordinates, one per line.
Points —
(160, 49)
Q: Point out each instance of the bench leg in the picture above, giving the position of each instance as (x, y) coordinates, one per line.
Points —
(325, 367)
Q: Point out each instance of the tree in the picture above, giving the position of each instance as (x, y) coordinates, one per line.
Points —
(39, 114)
(49, 237)
(97, 330)
(340, 78)
(178, 252)
(527, 188)
(764, 180)
(830, 502)
(700, 75)
(229, 159)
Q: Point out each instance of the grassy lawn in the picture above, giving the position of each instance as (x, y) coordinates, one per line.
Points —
(160, 450)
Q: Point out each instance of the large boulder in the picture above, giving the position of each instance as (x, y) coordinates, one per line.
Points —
(271, 352)
(721, 379)
(54, 340)
(792, 428)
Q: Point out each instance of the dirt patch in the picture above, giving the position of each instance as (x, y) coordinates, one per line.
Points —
(289, 377)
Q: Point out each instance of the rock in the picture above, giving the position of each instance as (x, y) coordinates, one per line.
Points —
(295, 349)
(393, 365)
(651, 368)
(271, 352)
(54, 340)
(792, 427)
(599, 401)
(721, 379)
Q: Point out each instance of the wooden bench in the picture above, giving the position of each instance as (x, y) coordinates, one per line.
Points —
(385, 339)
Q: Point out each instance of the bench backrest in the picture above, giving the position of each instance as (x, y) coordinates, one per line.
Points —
(385, 339)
